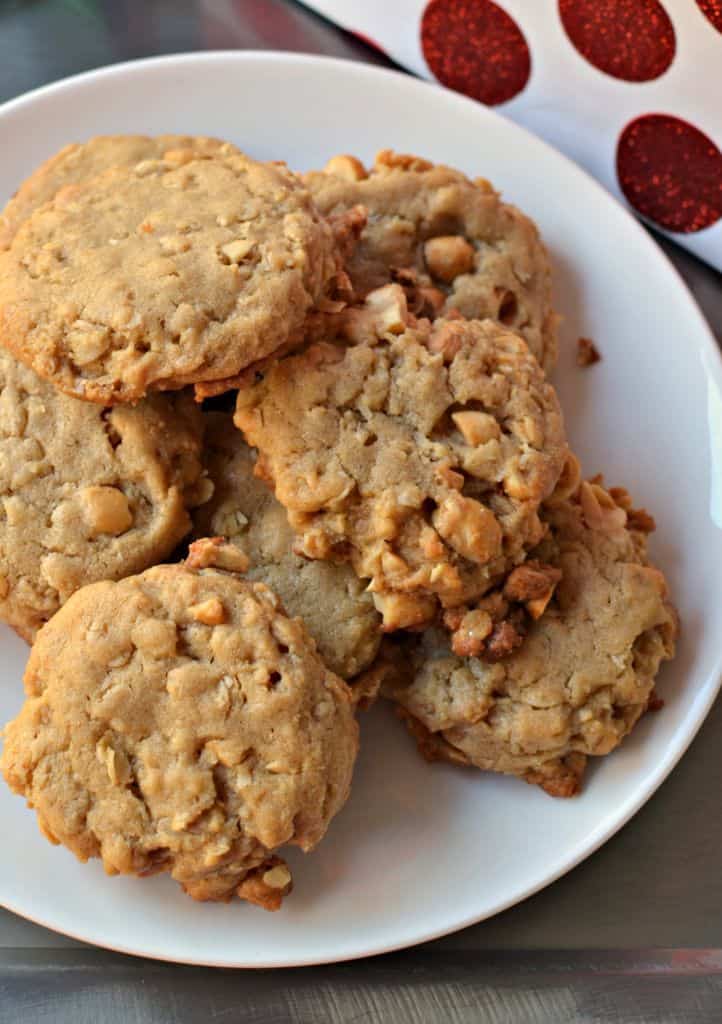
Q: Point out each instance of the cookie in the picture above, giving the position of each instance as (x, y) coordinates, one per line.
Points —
(179, 721)
(87, 493)
(162, 274)
(420, 451)
(79, 162)
(583, 676)
(333, 603)
(450, 241)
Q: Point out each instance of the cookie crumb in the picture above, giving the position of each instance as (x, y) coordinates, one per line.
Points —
(267, 885)
(587, 352)
(655, 703)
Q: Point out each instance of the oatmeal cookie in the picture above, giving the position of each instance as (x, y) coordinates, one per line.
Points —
(178, 721)
(450, 241)
(421, 452)
(81, 161)
(163, 274)
(333, 603)
(584, 674)
(87, 493)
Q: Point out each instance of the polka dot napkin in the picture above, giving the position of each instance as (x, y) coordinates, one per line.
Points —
(630, 89)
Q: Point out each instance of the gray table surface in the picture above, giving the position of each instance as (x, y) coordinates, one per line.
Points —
(633, 934)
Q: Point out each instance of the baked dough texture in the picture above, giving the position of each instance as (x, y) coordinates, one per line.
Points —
(164, 273)
(179, 721)
(585, 673)
(87, 493)
(451, 241)
(419, 451)
(337, 610)
(82, 161)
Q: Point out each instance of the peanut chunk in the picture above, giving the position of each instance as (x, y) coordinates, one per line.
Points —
(601, 512)
(568, 481)
(346, 166)
(447, 256)
(401, 611)
(533, 585)
(216, 552)
(446, 339)
(105, 510)
(210, 612)
(504, 640)
(387, 306)
(476, 427)
(266, 885)
(238, 250)
(469, 528)
(471, 632)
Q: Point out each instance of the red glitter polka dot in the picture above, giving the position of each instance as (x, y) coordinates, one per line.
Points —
(670, 172)
(712, 10)
(475, 47)
(629, 39)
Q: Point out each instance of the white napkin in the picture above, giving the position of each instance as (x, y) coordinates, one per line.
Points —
(538, 62)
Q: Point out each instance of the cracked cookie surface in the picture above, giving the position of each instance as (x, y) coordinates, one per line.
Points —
(179, 721)
(87, 493)
(583, 676)
(81, 161)
(163, 274)
(333, 603)
(420, 451)
(451, 241)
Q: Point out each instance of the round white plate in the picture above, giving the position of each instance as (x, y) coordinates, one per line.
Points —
(421, 850)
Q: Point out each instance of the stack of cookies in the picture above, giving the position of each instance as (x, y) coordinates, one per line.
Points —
(335, 387)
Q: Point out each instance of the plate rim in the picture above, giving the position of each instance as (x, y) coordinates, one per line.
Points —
(710, 685)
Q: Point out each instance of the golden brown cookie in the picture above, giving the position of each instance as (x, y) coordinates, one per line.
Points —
(179, 721)
(584, 674)
(87, 493)
(163, 274)
(450, 241)
(421, 452)
(81, 161)
(337, 610)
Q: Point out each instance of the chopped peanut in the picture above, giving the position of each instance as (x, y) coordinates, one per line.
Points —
(476, 427)
(387, 305)
(266, 885)
(531, 580)
(446, 339)
(447, 256)
(210, 612)
(401, 611)
(568, 482)
(468, 637)
(469, 527)
(505, 638)
(238, 250)
(106, 510)
(345, 166)
(216, 552)
(600, 510)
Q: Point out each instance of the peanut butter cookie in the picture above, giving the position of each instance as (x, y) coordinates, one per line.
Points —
(421, 452)
(178, 721)
(584, 674)
(333, 603)
(450, 241)
(79, 162)
(87, 493)
(163, 274)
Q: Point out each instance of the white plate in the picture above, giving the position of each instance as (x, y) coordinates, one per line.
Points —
(420, 851)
